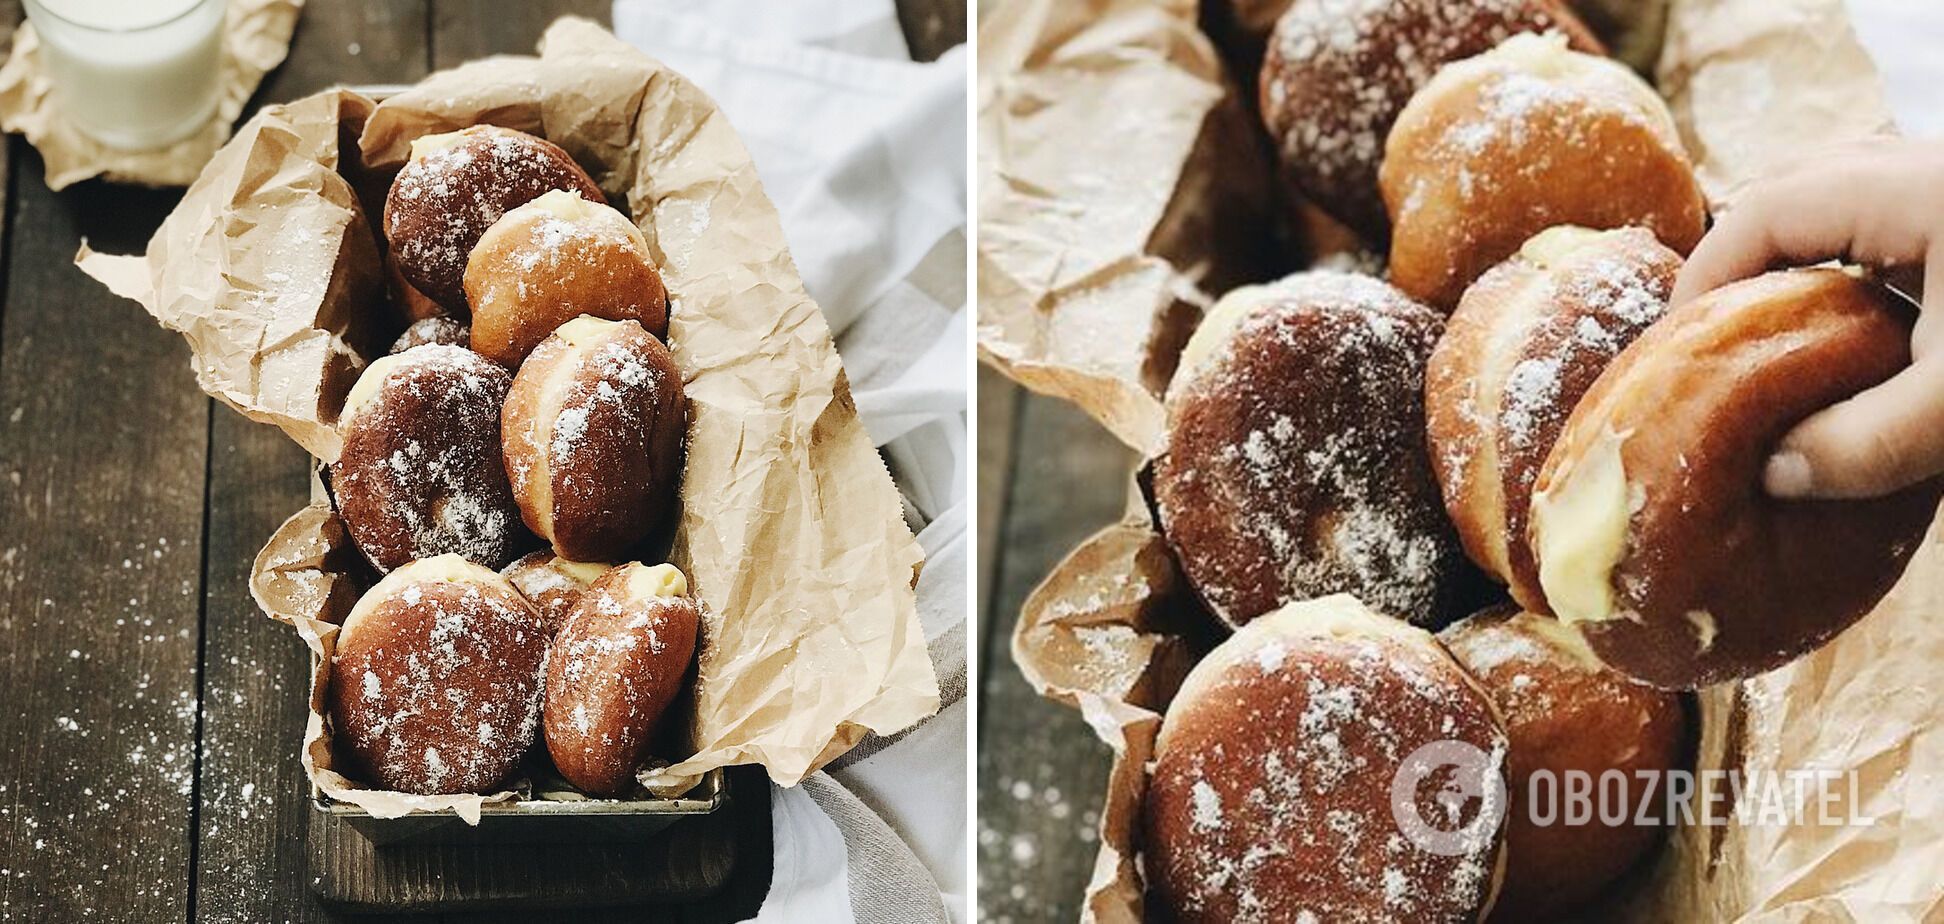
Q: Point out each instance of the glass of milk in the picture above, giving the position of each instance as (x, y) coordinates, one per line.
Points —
(133, 74)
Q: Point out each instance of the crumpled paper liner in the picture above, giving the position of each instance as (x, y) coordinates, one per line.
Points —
(791, 531)
(1119, 180)
(256, 36)
(1114, 627)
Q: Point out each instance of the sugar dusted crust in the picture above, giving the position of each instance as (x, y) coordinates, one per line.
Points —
(1270, 793)
(1531, 135)
(613, 671)
(436, 680)
(1565, 711)
(455, 187)
(552, 260)
(1337, 73)
(442, 329)
(1715, 580)
(552, 584)
(420, 473)
(1295, 463)
(594, 427)
(1526, 342)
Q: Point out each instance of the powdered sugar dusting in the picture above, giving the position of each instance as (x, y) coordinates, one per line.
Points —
(421, 473)
(1272, 790)
(1338, 72)
(1296, 464)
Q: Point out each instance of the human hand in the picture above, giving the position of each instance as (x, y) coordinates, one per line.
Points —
(1878, 203)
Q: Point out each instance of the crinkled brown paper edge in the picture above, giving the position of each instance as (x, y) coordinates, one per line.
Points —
(791, 531)
(1750, 82)
(256, 36)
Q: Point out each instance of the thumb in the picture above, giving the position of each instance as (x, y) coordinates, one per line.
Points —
(1884, 439)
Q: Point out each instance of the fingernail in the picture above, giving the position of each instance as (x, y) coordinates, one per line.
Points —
(1787, 474)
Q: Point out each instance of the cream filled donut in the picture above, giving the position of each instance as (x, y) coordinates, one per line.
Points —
(455, 186)
(613, 671)
(1271, 796)
(1567, 713)
(1295, 462)
(593, 426)
(552, 260)
(1526, 341)
(1335, 76)
(420, 472)
(1529, 135)
(1654, 536)
(435, 680)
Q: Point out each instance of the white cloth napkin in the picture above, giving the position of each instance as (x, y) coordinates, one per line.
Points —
(863, 153)
(1901, 35)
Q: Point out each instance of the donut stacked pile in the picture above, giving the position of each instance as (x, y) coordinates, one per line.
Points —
(1514, 424)
(523, 436)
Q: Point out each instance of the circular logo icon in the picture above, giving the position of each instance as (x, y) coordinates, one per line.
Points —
(1464, 776)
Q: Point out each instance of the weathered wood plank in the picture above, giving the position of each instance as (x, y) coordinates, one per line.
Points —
(466, 29)
(102, 457)
(1041, 771)
(254, 811)
(999, 401)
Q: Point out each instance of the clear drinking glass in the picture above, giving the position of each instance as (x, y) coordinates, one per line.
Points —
(132, 74)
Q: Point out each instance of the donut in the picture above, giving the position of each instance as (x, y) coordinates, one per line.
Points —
(1335, 76)
(1564, 711)
(435, 680)
(440, 329)
(612, 672)
(1655, 538)
(594, 426)
(552, 584)
(420, 473)
(1526, 341)
(1294, 463)
(552, 260)
(1271, 794)
(1530, 135)
(455, 186)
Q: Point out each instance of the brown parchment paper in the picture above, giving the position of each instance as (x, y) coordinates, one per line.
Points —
(1113, 627)
(1119, 180)
(791, 531)
(256, 35)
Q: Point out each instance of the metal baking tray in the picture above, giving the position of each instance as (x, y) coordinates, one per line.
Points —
(522, 821)
(534, 821)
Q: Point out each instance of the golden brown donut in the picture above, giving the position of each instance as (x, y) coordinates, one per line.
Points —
(1564, 711)
(435, 680)
(552, 260)
(455, 186)
(1530, 135)
(1654, 536)
(552, 584)
(1335, 75)
(613, 670)
(594, 426)
(1271, 790)
(1295, 462)
(420, 473)
(1526, 341)
(440, 329)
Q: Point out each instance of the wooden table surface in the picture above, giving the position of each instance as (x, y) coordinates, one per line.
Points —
(148, 748)
(1048, 478)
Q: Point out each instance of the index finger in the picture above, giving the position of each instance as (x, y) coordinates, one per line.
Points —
(1858, 210)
